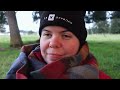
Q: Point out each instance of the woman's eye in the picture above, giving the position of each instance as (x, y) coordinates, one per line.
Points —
(67, 36)
(47, 35)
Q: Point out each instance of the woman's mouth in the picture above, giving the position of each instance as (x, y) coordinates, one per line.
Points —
(54, 56)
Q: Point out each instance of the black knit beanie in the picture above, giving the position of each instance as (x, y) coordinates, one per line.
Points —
(73, 21)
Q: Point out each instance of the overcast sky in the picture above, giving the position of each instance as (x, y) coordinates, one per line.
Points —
(25, 21)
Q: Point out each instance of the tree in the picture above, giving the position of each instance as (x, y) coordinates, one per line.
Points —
(115, 15)
(99, 16)
(115, 22)
(101, 27)
(95, 16)
(2, 28)
(89, 17)
(115, 26)
(3, 21)
(36, 17)
(15, 38)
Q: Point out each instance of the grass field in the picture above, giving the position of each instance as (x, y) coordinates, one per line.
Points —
(106, 48)
(8, 55)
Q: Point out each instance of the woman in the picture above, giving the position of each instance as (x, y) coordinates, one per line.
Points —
(63, 52)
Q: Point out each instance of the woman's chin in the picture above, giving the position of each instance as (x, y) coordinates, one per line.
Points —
(52, 60)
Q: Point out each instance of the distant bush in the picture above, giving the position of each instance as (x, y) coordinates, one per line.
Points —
(2, 28)
(31, 32)
(100, 27)
(104, 27)
(115, 26)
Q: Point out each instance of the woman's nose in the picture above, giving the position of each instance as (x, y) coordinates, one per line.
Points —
(55, 42)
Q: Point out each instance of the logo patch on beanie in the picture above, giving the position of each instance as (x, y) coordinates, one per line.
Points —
(51, 17)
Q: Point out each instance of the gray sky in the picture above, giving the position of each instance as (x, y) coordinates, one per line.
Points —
(25, 21)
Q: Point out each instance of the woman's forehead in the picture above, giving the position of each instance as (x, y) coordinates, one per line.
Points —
(55, 29)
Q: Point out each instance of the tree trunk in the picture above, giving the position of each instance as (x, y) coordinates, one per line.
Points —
(15, 38)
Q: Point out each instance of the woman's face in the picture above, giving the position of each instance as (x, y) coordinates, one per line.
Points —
(56, 42)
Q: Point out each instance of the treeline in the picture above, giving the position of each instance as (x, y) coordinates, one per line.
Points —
(112, 27)
(103, 21)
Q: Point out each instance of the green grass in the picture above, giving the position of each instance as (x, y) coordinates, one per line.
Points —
(107, 50)
(104, 47)
(8, 55)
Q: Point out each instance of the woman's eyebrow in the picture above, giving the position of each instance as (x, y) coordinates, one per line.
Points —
(46, 30)
(59, 32)
(64, 31)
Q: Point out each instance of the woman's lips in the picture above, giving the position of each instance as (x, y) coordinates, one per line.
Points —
(54, 56)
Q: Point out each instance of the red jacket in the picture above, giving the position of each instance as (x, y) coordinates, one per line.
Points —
(31, 65)
(102, 75)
